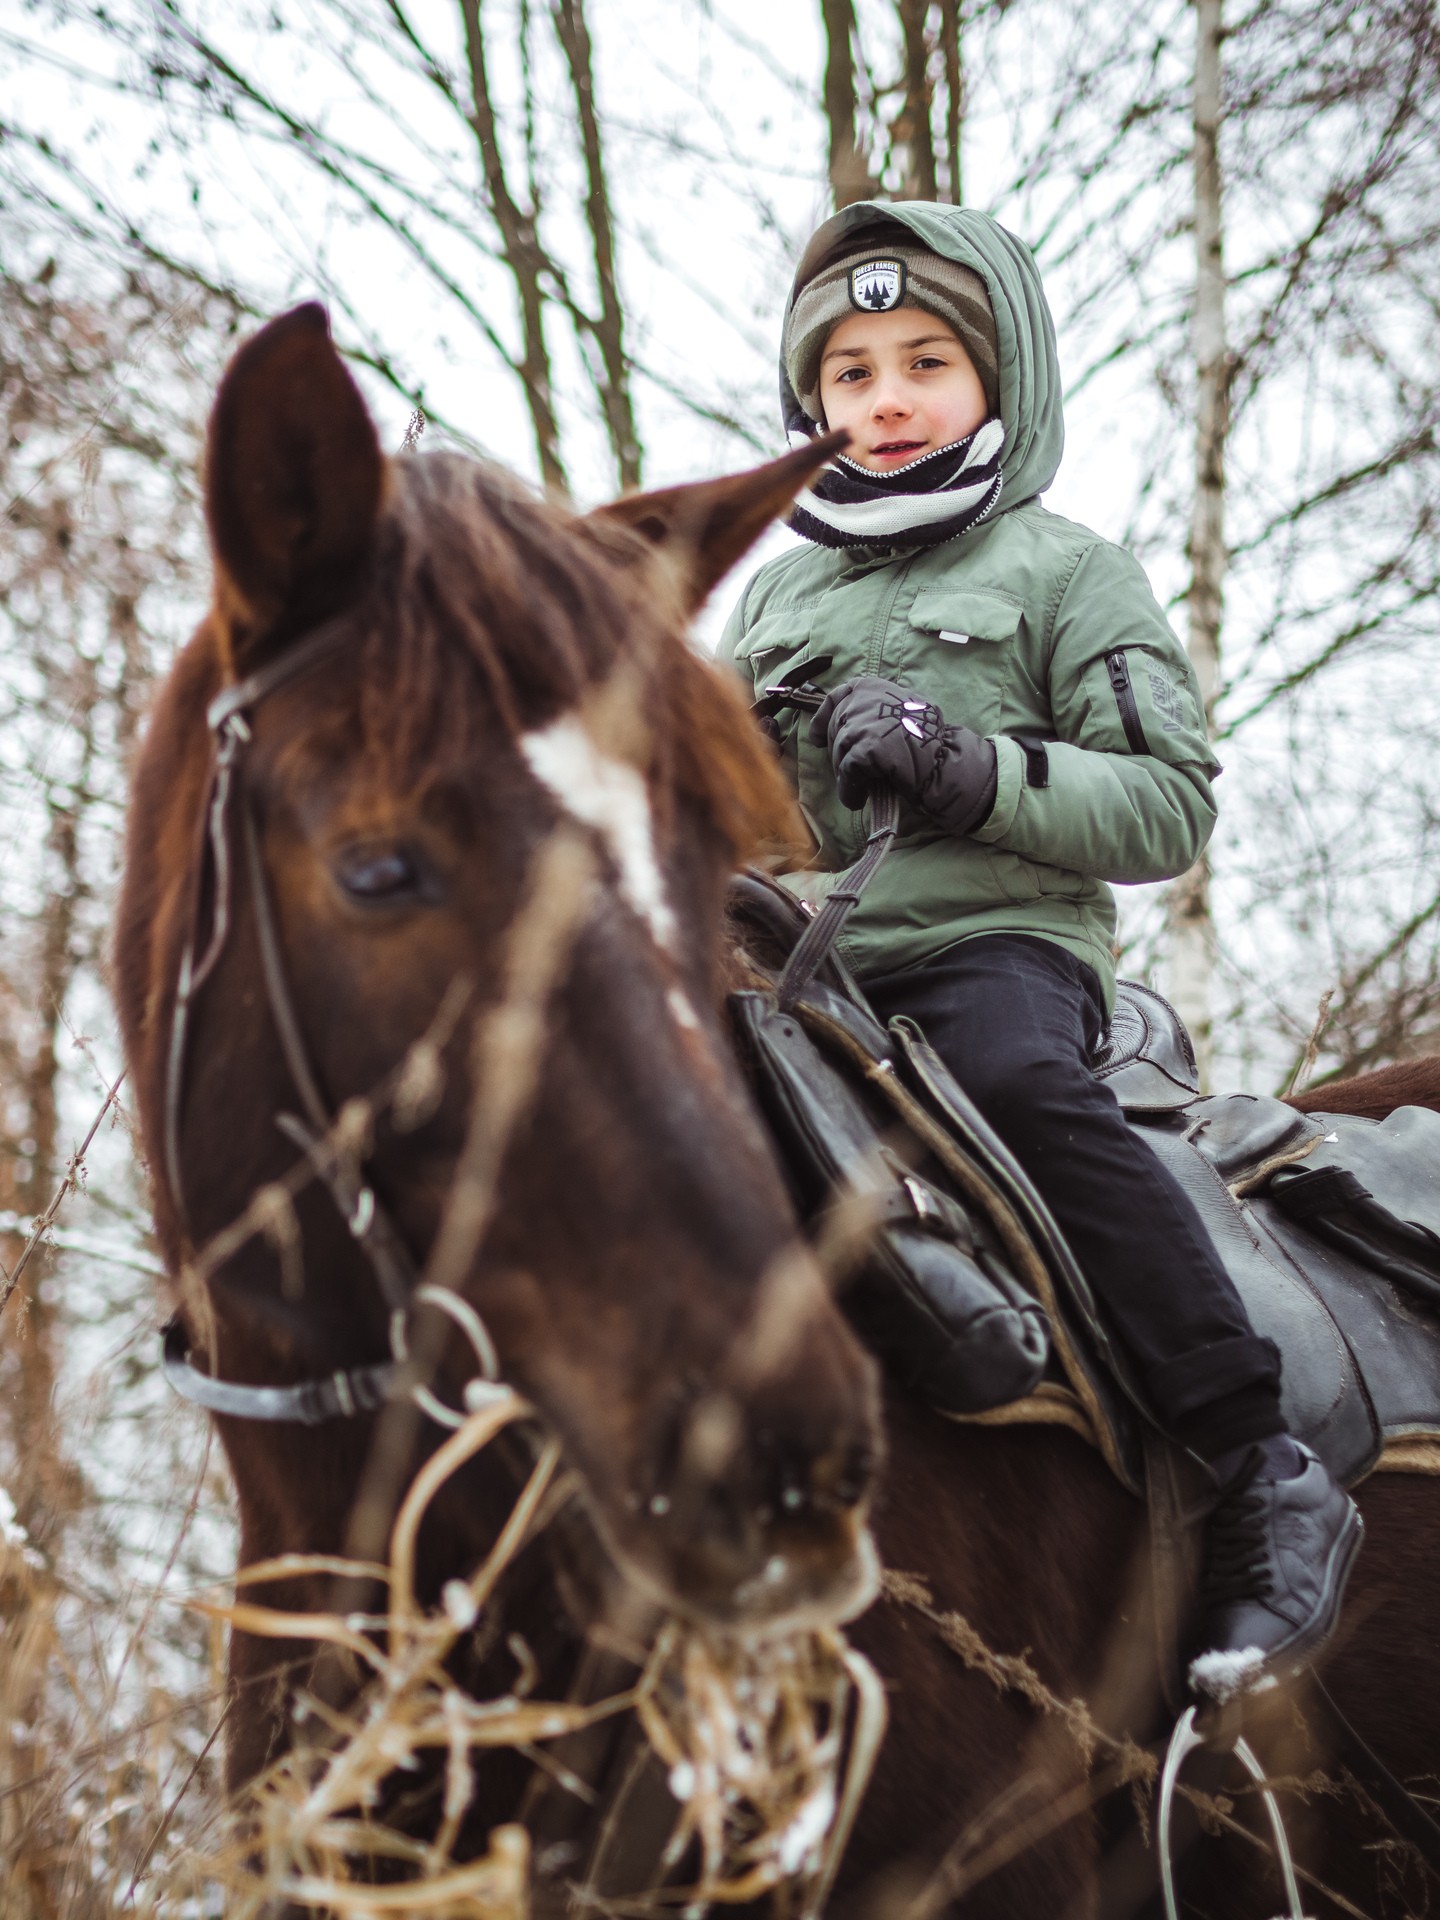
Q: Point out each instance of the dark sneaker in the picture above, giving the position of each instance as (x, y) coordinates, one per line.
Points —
(1278, 1554)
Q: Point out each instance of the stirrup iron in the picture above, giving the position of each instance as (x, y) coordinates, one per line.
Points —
(1183, 1742)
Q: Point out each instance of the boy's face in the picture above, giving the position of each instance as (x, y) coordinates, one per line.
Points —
(902, 383)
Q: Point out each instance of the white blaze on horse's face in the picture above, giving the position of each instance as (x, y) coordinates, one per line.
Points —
(612, 798)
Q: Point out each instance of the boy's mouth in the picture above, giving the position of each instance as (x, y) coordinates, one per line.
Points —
(896, 449)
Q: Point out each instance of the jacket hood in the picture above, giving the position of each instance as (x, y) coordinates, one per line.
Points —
(1030, 394)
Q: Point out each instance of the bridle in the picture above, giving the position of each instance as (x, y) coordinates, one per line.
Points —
(349, 1390)
(363, 1389)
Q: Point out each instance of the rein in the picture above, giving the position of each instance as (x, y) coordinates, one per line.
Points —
(817, 943)
(349, 1390)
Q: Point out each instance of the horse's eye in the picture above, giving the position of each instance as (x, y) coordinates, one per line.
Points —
(377, 873)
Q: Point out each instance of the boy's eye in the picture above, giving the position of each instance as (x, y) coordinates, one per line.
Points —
(849, 375)
(927, 360)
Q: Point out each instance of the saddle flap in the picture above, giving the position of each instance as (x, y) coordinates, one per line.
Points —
(828, 1137)
(1335, 1252)
(932, 1292)
(979, 1160)
(1322, 1395)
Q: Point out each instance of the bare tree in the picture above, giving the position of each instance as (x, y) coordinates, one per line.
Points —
(849, 166)
(896, 138)
(1192, 931)
(101, 389)
(443, 223)
(1286, 382)
(607, 329)
(90, 540)
(952, 57)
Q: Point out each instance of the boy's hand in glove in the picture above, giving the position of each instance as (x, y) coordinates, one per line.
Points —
(874, 731)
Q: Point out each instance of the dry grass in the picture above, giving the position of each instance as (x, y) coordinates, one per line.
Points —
(112, 1697)
(752, 1737)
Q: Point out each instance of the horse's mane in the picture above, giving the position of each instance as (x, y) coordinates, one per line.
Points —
(488, 604)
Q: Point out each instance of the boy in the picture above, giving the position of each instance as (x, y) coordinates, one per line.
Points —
(1010, 674)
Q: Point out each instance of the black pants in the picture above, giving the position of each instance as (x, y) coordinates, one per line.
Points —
(1017, 1020)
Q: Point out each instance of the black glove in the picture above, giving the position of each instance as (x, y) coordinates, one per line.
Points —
(874, 731)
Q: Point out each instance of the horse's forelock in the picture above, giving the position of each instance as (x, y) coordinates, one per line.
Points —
(490, 604)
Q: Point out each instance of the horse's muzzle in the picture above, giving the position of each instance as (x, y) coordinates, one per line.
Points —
(757, 1532)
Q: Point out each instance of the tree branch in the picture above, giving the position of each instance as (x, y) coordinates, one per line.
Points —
(608, 330)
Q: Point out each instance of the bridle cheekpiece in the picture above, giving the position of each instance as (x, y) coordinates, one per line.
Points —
(349, 1390)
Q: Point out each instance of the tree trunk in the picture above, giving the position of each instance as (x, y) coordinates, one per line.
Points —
(45, 1486)
(912, 125)
(953, 56)
(1192, 929)
(849, 166)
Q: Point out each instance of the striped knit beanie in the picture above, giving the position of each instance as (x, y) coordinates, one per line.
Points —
(875, 280)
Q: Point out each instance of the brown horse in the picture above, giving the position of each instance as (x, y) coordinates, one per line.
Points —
(505, 698)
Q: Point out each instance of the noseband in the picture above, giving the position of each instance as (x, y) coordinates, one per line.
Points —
(350, 1390)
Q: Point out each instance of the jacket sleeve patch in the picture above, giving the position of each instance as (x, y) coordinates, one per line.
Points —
(1138, 703)
(1168, 698)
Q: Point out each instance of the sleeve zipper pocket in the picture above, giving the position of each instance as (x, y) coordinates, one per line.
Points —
(1118, 667)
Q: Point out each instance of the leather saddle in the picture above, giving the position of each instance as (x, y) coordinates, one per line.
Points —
(1328, 1224)
(953, 1268)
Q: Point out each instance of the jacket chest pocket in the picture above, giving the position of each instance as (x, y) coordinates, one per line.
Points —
(777, 650)
(768, 652)
(959, 645)
(775, 642)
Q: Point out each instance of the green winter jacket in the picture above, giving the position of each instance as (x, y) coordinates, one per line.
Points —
(1027, 625)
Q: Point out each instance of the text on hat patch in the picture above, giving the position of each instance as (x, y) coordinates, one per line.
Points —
(877, 285)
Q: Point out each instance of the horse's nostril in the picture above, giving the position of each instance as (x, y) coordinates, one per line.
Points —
(853, 1481)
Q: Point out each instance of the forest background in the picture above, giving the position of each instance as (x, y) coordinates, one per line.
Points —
(559, 233)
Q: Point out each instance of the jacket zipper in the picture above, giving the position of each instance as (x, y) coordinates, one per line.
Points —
(1118, 667)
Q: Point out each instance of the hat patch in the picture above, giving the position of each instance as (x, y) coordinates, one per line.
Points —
(877, 285)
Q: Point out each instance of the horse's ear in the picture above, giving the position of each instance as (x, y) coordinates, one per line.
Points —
(705, 528)
(293, 481)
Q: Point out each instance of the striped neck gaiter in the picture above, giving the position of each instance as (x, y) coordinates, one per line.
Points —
(936, 497)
